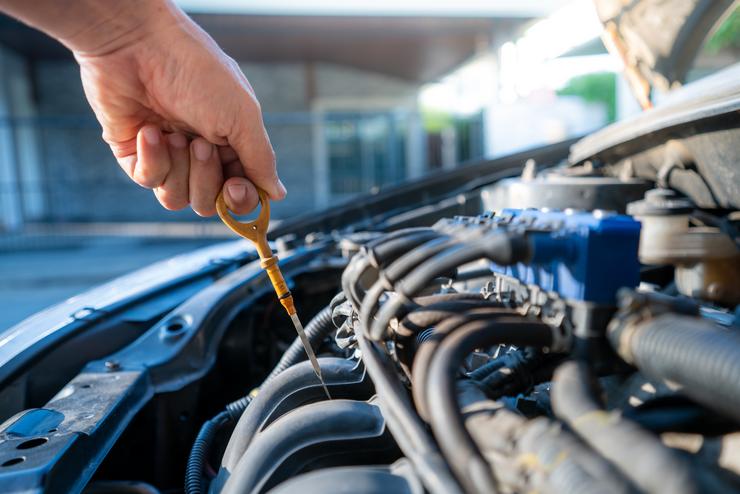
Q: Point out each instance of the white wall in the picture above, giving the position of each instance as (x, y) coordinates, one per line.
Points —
(530, 123)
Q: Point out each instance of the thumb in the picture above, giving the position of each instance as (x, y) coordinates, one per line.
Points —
(252, 145)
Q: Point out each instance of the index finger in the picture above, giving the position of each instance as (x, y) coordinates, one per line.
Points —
(252, 144)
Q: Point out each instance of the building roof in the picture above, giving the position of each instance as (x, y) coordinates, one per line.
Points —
(410, 48)
(416, 40)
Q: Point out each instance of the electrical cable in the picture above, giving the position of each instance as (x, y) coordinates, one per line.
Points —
(447, 422)
(397, 269)
(501, 248)
(425, 352)
(411, 435)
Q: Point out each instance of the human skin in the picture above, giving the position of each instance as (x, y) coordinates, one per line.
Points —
(178, 114)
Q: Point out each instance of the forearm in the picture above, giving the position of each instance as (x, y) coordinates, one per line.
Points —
(93, 27)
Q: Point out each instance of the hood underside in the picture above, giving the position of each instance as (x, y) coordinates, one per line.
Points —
(658, 40)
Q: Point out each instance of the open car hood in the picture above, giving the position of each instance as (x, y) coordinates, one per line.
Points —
(658, 40)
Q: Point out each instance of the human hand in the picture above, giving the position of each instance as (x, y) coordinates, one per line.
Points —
(179, 115)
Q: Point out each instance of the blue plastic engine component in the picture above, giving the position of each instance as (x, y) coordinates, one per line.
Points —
(580, 255)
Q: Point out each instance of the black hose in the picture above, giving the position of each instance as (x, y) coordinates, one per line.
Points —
(395, 271)
(515, 372)
(411, 435)
(637, 453)
(701, 357)
(349, 431)
(435, 308)
(556, 460)
(317, 330)
(569, 466)
(377, 253)
(194, 481)
(501, 248)
(447, 422)
(425, 353)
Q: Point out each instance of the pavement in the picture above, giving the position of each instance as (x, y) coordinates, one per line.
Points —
(36, 272)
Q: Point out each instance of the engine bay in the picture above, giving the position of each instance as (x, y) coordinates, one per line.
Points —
(485, 354)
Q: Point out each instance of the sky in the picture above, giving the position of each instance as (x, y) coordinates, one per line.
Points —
(444, 8)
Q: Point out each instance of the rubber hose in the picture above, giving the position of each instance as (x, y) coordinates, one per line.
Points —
(378, 252)
(434, 308)
(412, 437)
(194, 482)
(396, 270)
(701, 357)
(425, 352)
(514, 372)
(637, 453)
(422, 320)
(557, 461)
(386, 253)
(447, 421)
(349, 430)
(501, 248)
(571, 466)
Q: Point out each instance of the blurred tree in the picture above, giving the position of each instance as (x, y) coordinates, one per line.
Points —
(599, 87)
(436, 120)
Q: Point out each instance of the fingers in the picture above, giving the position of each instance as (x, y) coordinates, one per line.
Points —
(251, 143)
(206, 177)
(240, 195)
(194, 174)
(152, 158)
(228, 155)
(173, 193)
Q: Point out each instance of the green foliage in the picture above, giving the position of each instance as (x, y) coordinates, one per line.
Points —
(435, 120)
(599, 87)
(726, 36)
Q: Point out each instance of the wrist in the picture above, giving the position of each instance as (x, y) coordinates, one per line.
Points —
(128, 23)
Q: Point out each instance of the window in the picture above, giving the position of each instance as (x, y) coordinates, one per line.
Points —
(364, 150)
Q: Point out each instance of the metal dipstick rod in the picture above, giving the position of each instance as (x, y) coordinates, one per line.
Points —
(256, 232)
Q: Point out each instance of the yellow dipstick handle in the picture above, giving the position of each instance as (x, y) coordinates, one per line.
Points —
(256, 231)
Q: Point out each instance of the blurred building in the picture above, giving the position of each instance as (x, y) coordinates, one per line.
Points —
(339, 83)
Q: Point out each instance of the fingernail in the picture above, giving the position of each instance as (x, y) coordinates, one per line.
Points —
(237, 192)
(281, 188)
(177, 140)
(202, 149)
(151, 135)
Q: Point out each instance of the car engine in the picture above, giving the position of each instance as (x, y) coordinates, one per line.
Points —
(517, 351)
